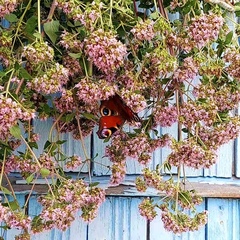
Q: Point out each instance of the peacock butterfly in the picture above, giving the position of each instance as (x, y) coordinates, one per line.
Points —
(114, 112)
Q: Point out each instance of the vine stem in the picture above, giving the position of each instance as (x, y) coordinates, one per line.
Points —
(31, 151)
(9, 82)
(39, 15)
(178, 102)
(3, 165)
(19, 23)
(30, 193)
(135, 7)
(53, 126)
(84, 148)
(110, 14)
(51, 11)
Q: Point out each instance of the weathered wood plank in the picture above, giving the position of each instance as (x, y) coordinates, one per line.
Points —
(74, 147)
(223, 219)
(43, 129)
(101, 163)
(237, 157)
(121, 218)
(224, 165)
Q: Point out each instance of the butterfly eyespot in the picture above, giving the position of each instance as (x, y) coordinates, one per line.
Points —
(106, 133)
(106, 111)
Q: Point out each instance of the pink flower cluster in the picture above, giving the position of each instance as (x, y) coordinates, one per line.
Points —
(223, 97)
(147, 209)
(144, 30)
(38, 52)
(90, 15)
(152, 178)
(165, 116)
(48, 162)
(66, 102)
(180, 222)
(205, 28)
(73, 163)
(189, 153)
(71, 8)
(135, 101)
(70, 42)
(157, 59)
(220, 134)
(116, 155)
(51, 81)
(232, 58)
(7, 7)
(85, 124)
(105, 51)
(118, 170)
(59, 210)
(6, 57)
(27, 165)
(187, 72)
(191, 113)
(10, 113)
(123, 146)
(5, 39)
(14, 219)
(90, 91)
(73, 66)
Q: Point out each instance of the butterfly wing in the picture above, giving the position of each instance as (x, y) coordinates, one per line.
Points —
(116, 106)
(109, 125)
(114, 114)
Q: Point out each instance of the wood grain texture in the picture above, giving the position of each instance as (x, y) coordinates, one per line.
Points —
(119, 219)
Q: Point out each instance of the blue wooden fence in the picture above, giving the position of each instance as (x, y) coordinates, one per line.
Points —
(118, 219)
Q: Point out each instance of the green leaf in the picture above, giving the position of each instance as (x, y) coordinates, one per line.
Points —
(237, 13)
(229, 37)
(13, 205)
(33, 145)
(166, 3)
(15, 131)
(47, 144)
(31, 25)
(185, 130)
(44, 172)
(51, 28)
(154, 15)
(89, 116)
(167, 167)
(5, 190)
(94, 184)
(60, 142)
(30, 178)
(11, 17)
(2, 73)
(37, 35)
(69, 117)
(5, 227)
(75, 55)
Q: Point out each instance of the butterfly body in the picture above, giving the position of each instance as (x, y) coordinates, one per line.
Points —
(114, 113)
